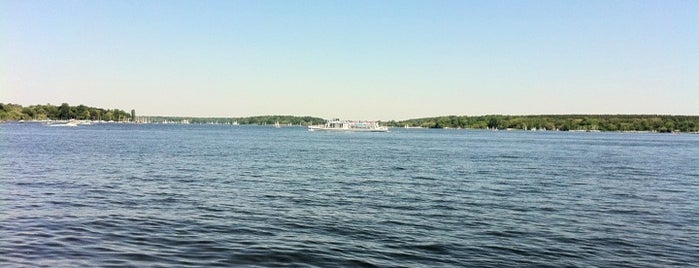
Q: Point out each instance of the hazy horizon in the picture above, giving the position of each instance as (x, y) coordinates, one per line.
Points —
(374, 60)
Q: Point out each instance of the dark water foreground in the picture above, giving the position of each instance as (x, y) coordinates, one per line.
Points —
(164, 195)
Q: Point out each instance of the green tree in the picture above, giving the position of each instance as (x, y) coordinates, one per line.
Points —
(64, 111)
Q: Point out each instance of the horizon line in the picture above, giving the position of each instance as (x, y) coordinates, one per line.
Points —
(434, 116)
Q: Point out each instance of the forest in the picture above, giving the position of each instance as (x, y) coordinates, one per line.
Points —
(653, 123)
(15, 112)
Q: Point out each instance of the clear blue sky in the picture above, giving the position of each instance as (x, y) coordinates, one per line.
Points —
(353, 59)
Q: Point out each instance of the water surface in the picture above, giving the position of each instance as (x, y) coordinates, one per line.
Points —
(213, 195)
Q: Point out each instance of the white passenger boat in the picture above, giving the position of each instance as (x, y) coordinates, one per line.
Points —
(347, 125)
(69, 123)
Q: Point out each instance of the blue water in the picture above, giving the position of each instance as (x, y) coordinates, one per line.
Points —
(208, 195)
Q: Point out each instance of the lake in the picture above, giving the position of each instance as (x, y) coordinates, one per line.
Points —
(218, 195)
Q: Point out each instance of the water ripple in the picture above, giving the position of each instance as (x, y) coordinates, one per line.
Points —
(192, 196)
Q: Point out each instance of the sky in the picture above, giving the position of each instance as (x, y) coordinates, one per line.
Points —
(353, 59)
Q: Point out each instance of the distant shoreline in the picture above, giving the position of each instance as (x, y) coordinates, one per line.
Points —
(73, 122)
(587, 123)
(572, 122)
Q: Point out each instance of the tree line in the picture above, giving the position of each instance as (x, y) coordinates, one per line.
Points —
(281, 119)
(14, 112)
(657, 123)
(253, 120)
